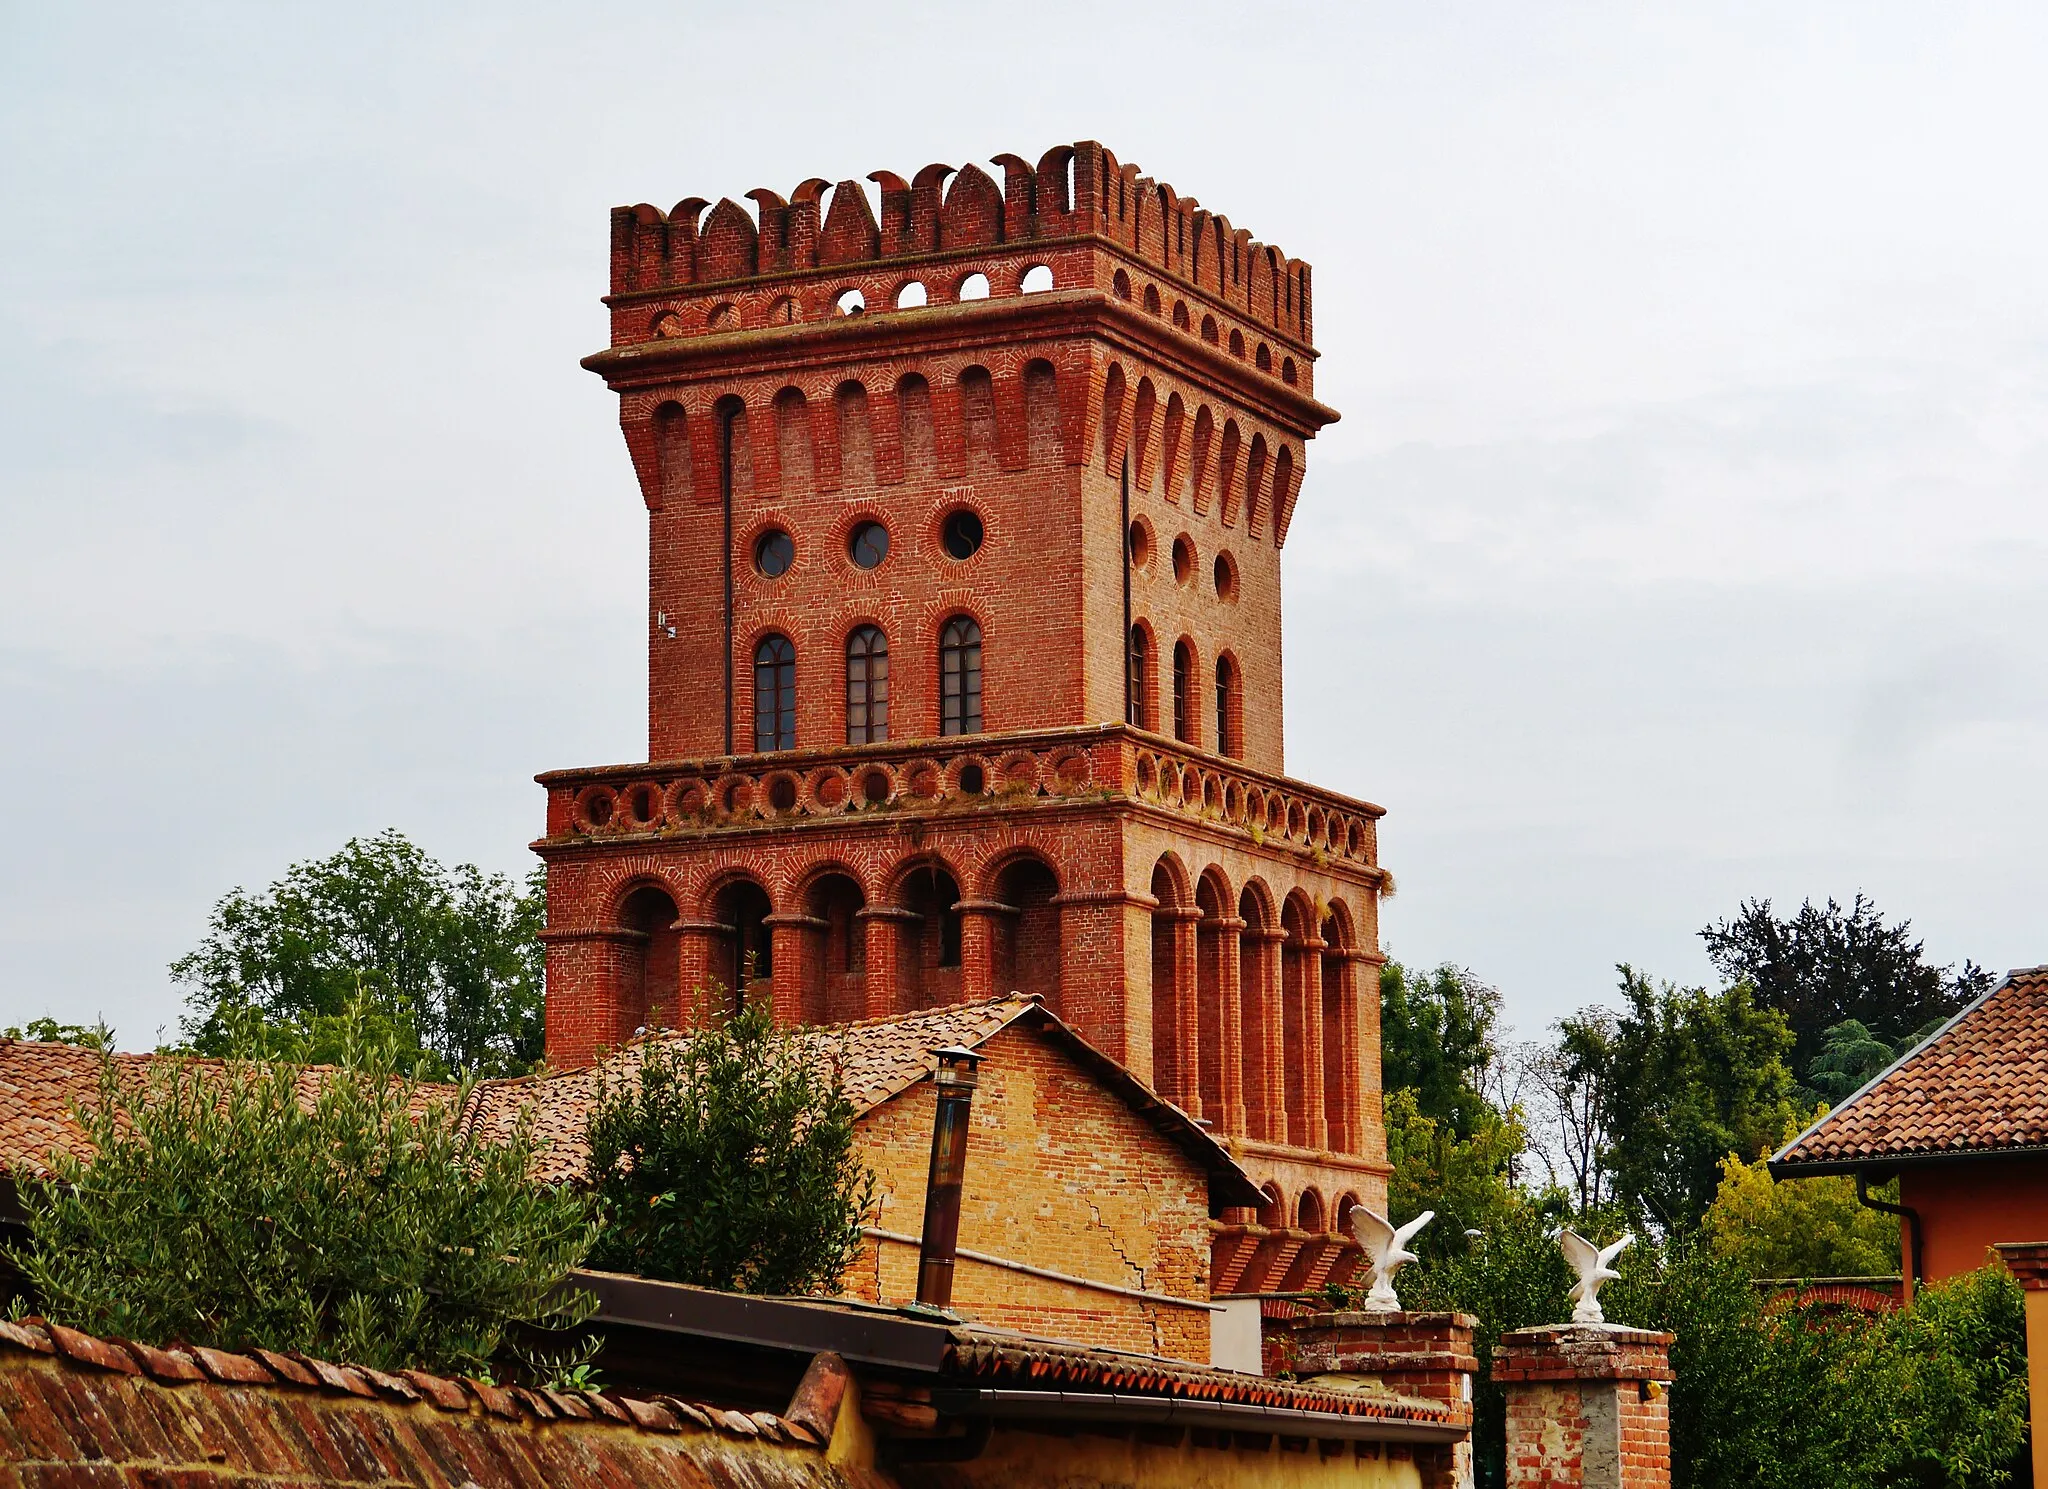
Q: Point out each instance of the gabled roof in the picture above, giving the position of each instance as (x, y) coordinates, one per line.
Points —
(877, 1059)
(1978, 1086)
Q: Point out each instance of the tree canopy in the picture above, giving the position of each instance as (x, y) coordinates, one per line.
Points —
(727, 1160)
(1826, 965)
(446, 960)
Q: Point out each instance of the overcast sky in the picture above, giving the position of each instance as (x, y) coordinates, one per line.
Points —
(1682, 540)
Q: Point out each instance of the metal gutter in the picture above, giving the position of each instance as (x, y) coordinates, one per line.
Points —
(1068, 1278)
(883, 1337)
(1220, 1416)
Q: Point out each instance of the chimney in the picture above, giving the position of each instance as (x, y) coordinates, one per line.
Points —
(955, 1080)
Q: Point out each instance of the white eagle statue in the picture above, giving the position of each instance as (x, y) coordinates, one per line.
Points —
(1594, 1266)
(1387, 1249)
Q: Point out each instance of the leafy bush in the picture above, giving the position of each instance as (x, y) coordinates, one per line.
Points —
(728, 1161)
(1801, 1228)
(343, 1214)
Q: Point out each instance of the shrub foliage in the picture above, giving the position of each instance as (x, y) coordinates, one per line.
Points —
(346, 1216)
(727, 1160)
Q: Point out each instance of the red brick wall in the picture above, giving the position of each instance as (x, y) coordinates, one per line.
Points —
(1060, 1175)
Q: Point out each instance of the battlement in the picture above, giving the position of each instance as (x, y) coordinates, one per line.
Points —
(1076, 192)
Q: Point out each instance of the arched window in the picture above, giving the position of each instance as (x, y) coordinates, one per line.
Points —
(775, 694)
(867, 686)
(960, 677)
(1140, 680)
(1229, 728)
(1183, 692)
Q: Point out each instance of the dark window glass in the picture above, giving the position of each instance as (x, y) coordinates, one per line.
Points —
(775, 694)
(867, 686)
(960, 677)
(1227, 742)
(868, 545)
(962, 534)
(774, 552)
(1140, 680)
(1183, 695)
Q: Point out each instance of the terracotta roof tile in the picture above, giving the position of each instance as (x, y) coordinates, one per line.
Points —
(41, 1084)
(876, 1059)
(1979, 1085)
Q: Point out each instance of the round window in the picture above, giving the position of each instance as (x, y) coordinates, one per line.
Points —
(1183, 558)
(868, 544)
(774, 552)
(1140, 546)
(962, 533)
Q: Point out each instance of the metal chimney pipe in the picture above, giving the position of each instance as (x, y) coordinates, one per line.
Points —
(956, 1079)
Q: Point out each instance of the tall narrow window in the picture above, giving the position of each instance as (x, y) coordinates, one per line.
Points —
(867, 686)
(1229, 728)
(1183, 692)
(960, 677)
(775, 694)
(1138, 684)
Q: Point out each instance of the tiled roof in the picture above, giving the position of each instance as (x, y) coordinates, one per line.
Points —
(41, 1084)
(1050, 1365)
(877, 1059)
(179, 1364)
(1979, 1085)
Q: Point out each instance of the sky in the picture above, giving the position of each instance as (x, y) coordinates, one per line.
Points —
(1682, 540)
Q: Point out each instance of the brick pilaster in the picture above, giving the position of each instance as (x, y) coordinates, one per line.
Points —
(1586, 1407)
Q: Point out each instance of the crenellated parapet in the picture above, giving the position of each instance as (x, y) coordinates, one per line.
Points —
(1076, 194)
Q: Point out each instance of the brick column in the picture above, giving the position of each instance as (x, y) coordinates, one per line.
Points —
(1105, 951)
(697, 946)
(979, 920)
(1350, 1134)
(1586, 1407)
(792, 936)
(1315, 1108)
(596, 963)
(1270, 946)
(881, 953)
(2028, 1262)
(1187, 1008)
(1230, 1017)
(1428, 1355)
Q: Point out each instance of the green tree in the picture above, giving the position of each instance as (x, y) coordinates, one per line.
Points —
(1687, 1077)
(1848, 1056)
(48, 1031)
(345, 1214)
(1826, 964)
(1436, 1039)
(1800, 1228)
(448, 958)
(1464, 1180)
(727, 1160)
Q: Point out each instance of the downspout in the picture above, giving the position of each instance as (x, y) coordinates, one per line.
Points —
(1123, 543)
(725, 500)
(1904, 1212)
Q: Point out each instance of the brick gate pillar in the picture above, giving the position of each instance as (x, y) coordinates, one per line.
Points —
(1230, 1018)
(1412, 1354)
(1586, 1407)
(2028, 1261)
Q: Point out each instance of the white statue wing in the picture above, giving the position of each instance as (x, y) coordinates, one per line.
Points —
(1583, 1255)
(1374, 1233)
(1406, 1232)
(1608, 1255)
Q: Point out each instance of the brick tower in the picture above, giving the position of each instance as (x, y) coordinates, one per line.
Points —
(964, 648)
